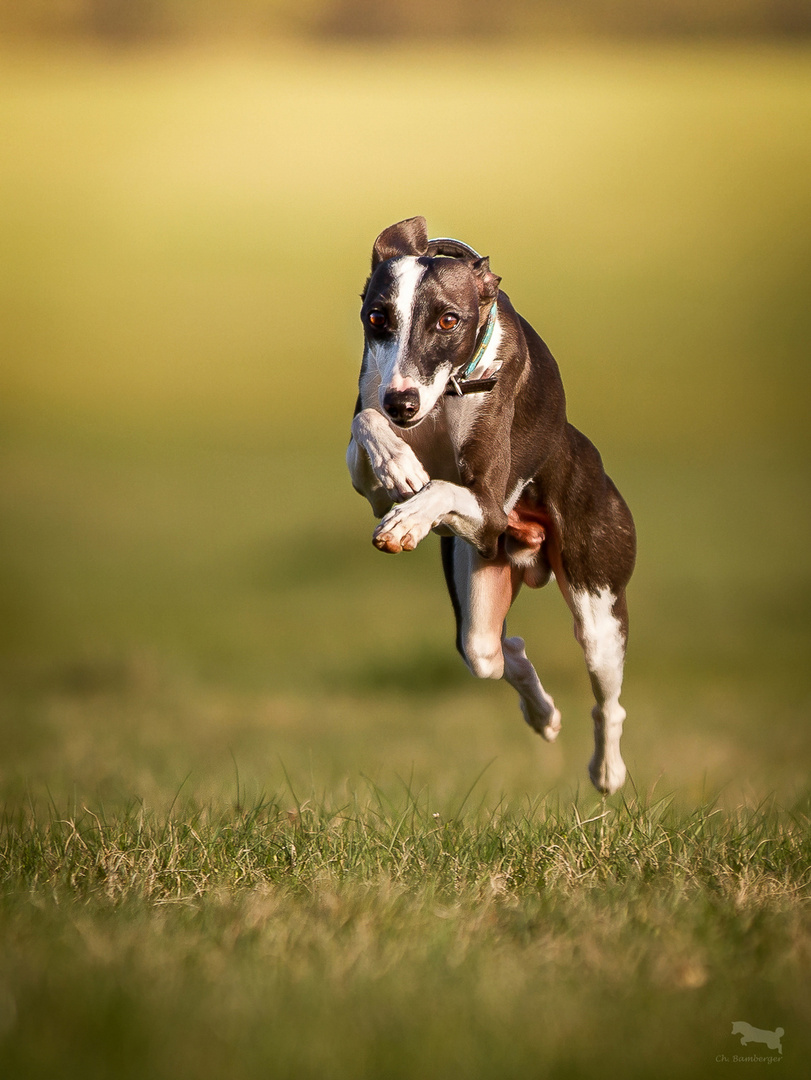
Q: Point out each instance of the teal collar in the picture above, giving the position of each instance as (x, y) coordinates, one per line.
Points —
(485, 341)
(462, 383)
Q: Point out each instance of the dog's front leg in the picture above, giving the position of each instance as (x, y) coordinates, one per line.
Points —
(441, 503)
(384, 468)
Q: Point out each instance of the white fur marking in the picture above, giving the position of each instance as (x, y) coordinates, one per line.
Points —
(387, 355)
(536, 704)
(479, 589)
(489, 363)
(438, 503)
(600, 634)
(431, 392)
(393, 462)
(514, 496)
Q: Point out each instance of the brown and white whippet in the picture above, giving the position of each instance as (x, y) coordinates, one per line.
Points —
(461, 429)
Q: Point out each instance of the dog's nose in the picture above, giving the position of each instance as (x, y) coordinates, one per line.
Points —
(402, 405)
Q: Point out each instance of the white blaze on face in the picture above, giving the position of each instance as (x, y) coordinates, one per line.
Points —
(388, 354)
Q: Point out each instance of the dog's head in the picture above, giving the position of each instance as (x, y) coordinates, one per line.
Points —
(422, 313)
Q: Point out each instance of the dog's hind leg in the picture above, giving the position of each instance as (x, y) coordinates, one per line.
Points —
(601, 628)
(482, 591)
(536, 705)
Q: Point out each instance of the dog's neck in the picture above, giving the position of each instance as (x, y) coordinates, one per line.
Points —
(481, 372)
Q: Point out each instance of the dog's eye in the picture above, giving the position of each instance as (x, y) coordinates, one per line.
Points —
(448, 321)
(377, 320)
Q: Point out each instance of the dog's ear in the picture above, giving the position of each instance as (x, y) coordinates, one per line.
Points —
(486, 280)
(409, 237)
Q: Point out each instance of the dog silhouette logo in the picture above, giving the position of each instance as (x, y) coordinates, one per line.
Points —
(748, 1034)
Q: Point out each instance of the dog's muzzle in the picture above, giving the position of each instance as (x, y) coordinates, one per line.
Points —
(402, 405)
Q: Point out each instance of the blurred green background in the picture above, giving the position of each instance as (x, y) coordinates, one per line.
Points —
(188, 198)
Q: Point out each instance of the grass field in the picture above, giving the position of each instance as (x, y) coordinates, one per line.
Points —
(257, 819)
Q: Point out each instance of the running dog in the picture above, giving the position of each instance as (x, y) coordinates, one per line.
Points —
(748, 1034)
(460, 428)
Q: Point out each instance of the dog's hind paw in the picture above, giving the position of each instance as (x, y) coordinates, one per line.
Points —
(607, 776)
(547, 724)
(537, 706)
(606, 768)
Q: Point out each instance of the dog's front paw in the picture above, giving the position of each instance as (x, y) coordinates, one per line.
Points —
(395, 466)
(405, 525)
(400, 471)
